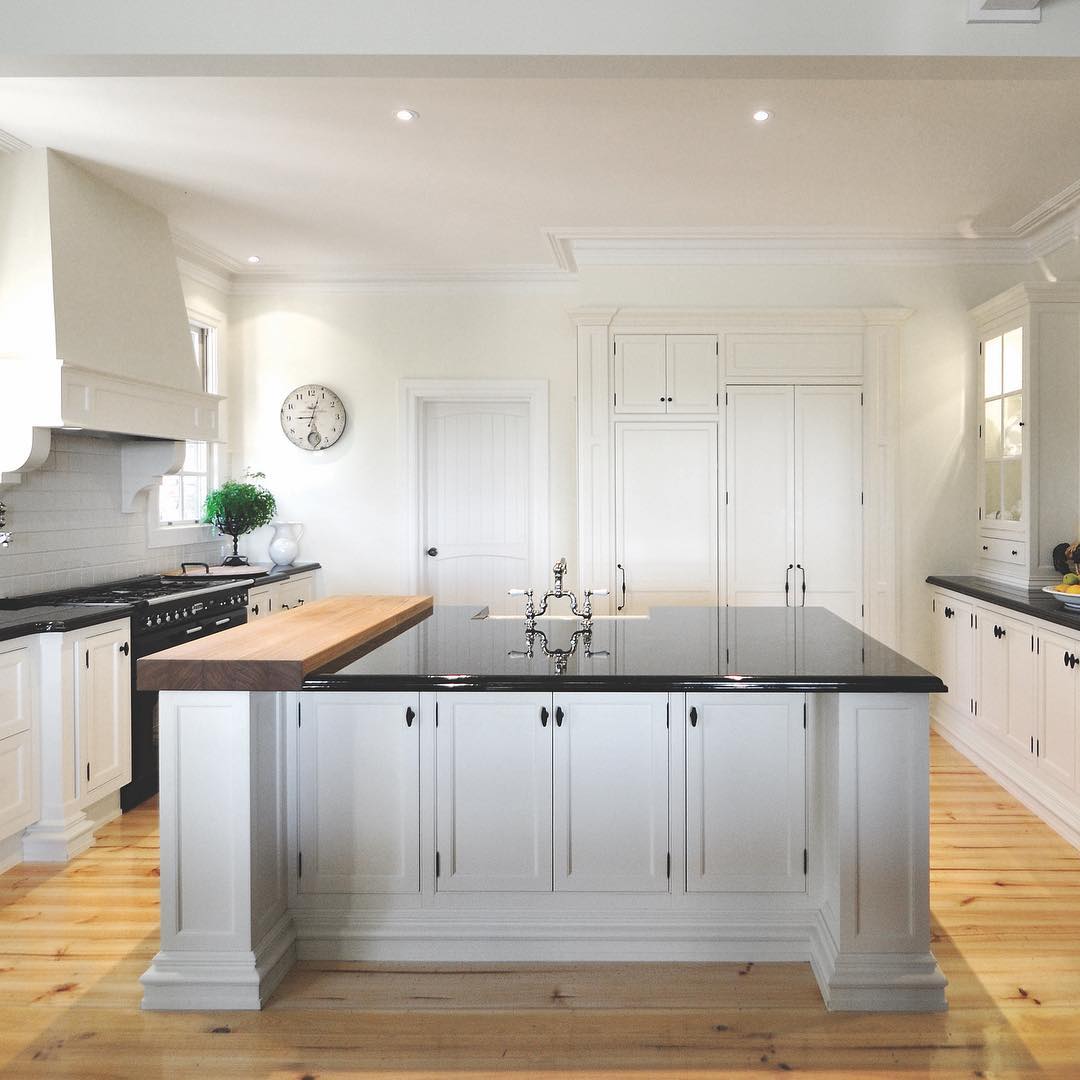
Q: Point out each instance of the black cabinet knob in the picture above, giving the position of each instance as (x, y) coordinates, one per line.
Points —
(410, 716)
(433, 551)
(559, 716)
(693, 717)
(125, 648)
(543, 717)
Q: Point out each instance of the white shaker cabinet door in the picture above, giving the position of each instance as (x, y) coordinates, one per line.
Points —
(745, 793)
(260, 602)
(358, 768)
(828, 499)
(1059, 674)
(760, 552)
(16, 689)
(641, 373)
(103, 701)
(611, 793)
(692, 383)
(954, 650)
(493, 792)
(666, 514)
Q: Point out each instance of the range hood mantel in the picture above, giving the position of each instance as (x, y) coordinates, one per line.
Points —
(93, 324)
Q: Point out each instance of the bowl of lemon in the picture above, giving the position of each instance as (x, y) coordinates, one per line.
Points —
(1068, 592)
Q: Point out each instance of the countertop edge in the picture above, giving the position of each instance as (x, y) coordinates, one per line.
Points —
(1038, 605)
(78, 620)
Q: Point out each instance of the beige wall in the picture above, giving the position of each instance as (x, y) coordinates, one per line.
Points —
(352, 497)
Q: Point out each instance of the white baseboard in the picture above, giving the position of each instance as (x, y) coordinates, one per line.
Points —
(10, 852)
(227, 980)
(58, 841)
(995, 762)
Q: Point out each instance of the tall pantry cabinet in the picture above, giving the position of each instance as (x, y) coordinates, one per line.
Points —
(736, 475)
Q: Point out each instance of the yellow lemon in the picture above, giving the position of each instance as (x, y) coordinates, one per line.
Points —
(1072, 588)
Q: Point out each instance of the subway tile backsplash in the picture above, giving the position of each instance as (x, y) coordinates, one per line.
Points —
(69, 530)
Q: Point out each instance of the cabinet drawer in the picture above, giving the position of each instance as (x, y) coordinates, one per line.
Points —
(1005, 551)
(15, 691)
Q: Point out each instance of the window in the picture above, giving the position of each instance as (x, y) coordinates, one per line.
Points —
(182, 495)
(1003, 434)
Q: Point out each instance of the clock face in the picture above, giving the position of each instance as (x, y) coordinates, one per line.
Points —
(312, 417)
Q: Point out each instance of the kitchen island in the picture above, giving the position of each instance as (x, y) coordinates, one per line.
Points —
(739, 784)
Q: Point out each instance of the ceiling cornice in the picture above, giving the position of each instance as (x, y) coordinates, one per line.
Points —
(11, 144)
(1048, 227)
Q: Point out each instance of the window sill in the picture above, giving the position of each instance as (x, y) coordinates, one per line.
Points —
(160, 536)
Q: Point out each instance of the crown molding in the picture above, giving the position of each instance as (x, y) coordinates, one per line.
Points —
(464, 279)
(1023, 295)
(11, 144)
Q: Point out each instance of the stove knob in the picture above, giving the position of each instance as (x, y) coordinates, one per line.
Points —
(168, 616)
(159, 620)
(184, 613)
(149, 622)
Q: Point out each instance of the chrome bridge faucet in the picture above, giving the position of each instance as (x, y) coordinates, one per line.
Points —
(5, 537)
(532, 612)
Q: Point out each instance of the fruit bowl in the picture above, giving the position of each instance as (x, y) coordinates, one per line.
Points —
(1070, 600)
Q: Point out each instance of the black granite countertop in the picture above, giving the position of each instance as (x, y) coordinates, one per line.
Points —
(280, 573)
(670, 649)
(57, 620)
(1031, 602)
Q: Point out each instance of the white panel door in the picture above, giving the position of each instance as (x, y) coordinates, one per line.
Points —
(611, 793)
(828, 499)
(476, 500)
(493, 792)
(16, 693)
(260, 602)
(1020, 702)
(760, 552)
(103, 677)
(641, 373)
(1058, 708)
(954, 655)
(358, 769)
(294, 592)
(692, 374)
(18, 783)
(745, 793)
(666, 514)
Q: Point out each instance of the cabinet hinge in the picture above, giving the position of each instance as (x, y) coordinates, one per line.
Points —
(615, 399)
(1038, 646)
(718, 399)
(725, 397)
(299, 864)
(299, 708)
(980, 431)
(862, 611)
(862, 399)
(933, 604)
(669, 865)
(980, 348)
(614, 348)
(667, 721)
(436, 714)
(805, 862)
(88, 772)
(718, 348)
(862, 498)
(804, 716)
(727, 498)
(87, 659)
(437, 867)
(976, 706)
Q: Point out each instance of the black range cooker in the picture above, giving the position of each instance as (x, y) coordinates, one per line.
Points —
(165, 612)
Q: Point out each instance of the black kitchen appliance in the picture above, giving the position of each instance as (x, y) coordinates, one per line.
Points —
(165, 612)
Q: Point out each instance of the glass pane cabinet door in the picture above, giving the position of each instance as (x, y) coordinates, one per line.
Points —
(1003, 426)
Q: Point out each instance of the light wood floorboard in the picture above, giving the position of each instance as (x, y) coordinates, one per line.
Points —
(1005, 892)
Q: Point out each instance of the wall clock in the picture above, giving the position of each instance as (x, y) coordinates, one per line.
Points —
(312, 417)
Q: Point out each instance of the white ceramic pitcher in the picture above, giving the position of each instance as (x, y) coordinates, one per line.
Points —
(285, 545)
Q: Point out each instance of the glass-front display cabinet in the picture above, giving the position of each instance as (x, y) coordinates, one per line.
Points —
(1027, 415)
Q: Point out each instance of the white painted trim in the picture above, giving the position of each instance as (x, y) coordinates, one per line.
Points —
(12, 144)
(1004, 11)
(272, 281)
(415, 393)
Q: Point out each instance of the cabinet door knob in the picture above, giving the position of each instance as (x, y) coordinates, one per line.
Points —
(559, 716)
(543, 717)
(410, 716)
(125, 648)
(693, 717)
(433, 551)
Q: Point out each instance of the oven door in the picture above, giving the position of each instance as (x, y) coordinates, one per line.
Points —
(144, 703)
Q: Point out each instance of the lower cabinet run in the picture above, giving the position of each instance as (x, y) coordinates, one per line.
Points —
(458, 826)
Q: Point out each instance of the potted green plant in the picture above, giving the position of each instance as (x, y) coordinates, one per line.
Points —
(239, 507)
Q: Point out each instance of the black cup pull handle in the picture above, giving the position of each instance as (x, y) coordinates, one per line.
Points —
(693, 717)
(410, 716)
(543, 717)
(559, 716)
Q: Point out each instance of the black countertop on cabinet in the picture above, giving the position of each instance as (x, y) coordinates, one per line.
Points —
(280, 573)
(1031, 602)
(57, 620)
(670, 649)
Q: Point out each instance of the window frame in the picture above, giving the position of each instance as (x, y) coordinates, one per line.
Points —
(165, 534)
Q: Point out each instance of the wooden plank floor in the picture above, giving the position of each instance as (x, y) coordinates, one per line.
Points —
(1006, 906)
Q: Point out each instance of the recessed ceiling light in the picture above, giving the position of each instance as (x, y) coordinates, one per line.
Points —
(253, 259)
(762, 116)
(407, 116)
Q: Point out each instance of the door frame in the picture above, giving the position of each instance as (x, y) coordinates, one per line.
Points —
(415, 395)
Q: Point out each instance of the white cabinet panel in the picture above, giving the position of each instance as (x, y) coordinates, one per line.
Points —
(260, 602)
(293, 592)
(493, 792)
(828, 498)
(666, 514)
(358, 767)
(641, 373)
(16, 692)
(745, 793)
(611, 793)
(1006, 699)
(954, 644)
(18, 783)
(103, 703)
(692, 377)
(1058, 708)
(793, 356)
(761, 494)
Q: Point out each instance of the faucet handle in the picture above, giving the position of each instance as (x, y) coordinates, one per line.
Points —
(519, 592)
(597, 592)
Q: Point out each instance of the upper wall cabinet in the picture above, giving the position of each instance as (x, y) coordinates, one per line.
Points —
(1029, 456)
(666, 373)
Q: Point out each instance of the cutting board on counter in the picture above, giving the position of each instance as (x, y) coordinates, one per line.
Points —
(197, 573)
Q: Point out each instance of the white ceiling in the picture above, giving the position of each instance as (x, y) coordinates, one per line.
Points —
(315, 175)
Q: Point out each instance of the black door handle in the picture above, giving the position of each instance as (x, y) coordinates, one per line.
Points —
(787, 583)
(410, 716)
(622, 602)
(125, 648)
(693, 717)
(559, 716)
(433, 551)
(543, 717)
(949, 613)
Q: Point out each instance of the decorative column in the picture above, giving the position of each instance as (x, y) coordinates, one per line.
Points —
(227, 938)
(871, 951)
